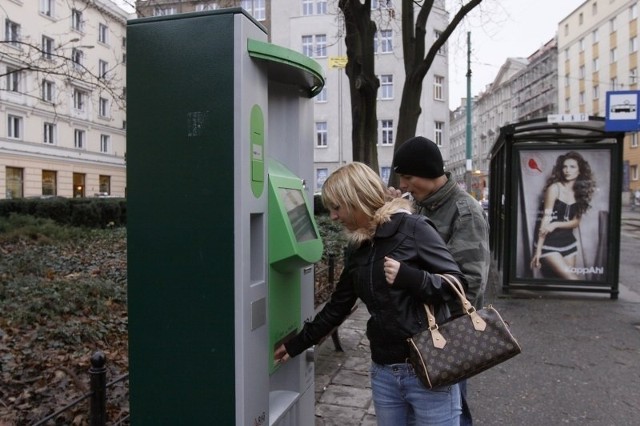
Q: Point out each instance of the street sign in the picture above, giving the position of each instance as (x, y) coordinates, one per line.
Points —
(622, 111)
(567, 118)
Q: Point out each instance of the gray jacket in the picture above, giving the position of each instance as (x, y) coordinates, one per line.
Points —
(462, 224)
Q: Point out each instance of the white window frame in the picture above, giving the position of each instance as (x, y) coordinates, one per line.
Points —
(12, 32)
(46, 7)
(322, 134)
(80, 99)
(79, 138)
(307, 45)
(386, 41)
(633, 143)
(103, 33)
(322, 174)
(438, 88)
(13, 80)
(633, 11)
(613, 55)
(49, 130)
(633, 172)
(164, 11)
(47, 47)
(77, 58)
(105, 144)
(14, 126)
(48, 90)
(633, 44)
(596, 91)
(438, 132)
(307, 7)
(103, 107)
(386, 86)
(321, 7)
(103, 69)
(386, 132)
(322, 96)
(321, 46)
(77, 23)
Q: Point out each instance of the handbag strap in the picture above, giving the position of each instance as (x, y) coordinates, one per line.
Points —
(478, 323)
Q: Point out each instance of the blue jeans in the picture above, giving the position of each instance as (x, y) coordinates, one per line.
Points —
(401, 399)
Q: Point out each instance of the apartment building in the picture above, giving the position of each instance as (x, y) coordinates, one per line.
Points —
(315, 28)
(62, 99)
(598, 52)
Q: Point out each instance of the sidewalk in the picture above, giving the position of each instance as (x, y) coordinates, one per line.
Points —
(580, 362)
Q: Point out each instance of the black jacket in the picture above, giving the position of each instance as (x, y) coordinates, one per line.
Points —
(397, 311)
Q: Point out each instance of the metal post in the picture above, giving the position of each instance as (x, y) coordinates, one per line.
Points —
(469, 168)
(98, 373)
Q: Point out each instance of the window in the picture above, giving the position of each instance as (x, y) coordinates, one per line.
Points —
(14, 126)
(596, 92)
(46, 7)
(14, 78)
(49, 133)
(204, 6)
(47, 47)
(77, 57)
(79, 99)
(596, 64)
(385, 174)
(255, 7)
(443, 49)
(438, 132)
(634, 140)
(103, 33)
(322, 96)
(613, 83)
(78, 185)
(76, 20)
(385, 41)
(381, 4)
(321, 46)
(566, 54)
(317, 49)
(612, 25)
(580, 18)
(79, 138)
(386, 127)
(103, 68)
(633, 44)
(567, 80)
(103, 107)
(581, 98)
(307, 7)
(567, 104)
(594, 8)
(594, 36)
(438, 87)
(105, 184)
(105, 144)
(164, 11)
(386, 86)
(307, 45)
(634, 172)
(14, 182)
(633, 75)
(613, 55)
(581, 45)
(48, 90)
(321, 176)
(633, 12)
(581, 71)
(321, 7)
(11, 32)
(49, 183)
(321, 134)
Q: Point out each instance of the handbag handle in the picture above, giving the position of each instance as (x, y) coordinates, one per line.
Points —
(478, 323)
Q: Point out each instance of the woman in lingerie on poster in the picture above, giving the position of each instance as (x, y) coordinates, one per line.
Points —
(567, 196)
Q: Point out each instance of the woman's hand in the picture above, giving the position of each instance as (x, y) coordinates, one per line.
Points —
(281, 356)
(391, 268)
(535, 262)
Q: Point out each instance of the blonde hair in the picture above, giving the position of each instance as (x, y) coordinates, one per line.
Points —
(354, 187)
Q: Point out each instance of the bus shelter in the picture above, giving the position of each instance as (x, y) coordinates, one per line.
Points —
(554, 206)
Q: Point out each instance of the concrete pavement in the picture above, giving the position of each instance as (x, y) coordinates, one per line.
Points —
(580, 362)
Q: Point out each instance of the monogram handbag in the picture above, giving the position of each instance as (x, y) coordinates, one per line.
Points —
(464, 346)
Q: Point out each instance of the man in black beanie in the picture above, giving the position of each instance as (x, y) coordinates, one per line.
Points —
(458, 217)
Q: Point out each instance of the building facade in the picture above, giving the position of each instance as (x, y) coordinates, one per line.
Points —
(315, 28)
(598, 52)
(62, 99)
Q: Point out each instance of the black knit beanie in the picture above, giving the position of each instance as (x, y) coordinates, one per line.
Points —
(420, 157)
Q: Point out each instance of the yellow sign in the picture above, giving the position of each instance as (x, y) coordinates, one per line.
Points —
(337, 61)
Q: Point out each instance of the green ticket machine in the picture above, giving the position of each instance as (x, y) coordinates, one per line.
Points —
(221, 233)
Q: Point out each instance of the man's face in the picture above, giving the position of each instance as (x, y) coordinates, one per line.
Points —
(419, 187)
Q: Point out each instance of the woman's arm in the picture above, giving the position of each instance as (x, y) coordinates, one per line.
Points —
(550, 197)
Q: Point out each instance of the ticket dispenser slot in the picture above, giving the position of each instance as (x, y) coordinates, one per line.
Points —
(294, 244)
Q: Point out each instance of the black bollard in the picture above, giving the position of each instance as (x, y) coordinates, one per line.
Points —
(98, 373)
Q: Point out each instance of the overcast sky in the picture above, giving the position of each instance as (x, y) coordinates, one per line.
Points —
(501, 29)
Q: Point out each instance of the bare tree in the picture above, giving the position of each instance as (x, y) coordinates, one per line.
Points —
(363, 84)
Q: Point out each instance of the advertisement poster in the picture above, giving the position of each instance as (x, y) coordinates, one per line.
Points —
(563, 204)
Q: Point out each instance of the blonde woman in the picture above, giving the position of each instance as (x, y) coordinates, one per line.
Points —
(392, 264)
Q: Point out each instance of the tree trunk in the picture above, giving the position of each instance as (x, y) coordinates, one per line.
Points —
(363, 83)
